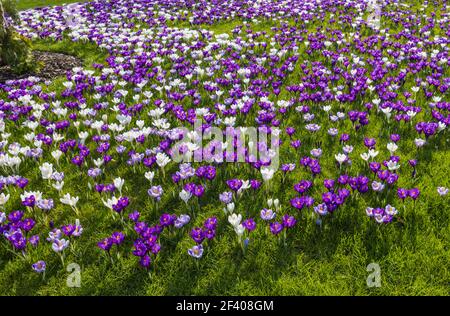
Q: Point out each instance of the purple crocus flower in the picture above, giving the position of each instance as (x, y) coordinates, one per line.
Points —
(155, 192)
(182, 220)
(226, 197)
(328, 183)
(197, 235)
(117, 238)
(414, 193)
(59, 245)
(298, 202)
(29, 201)
(402, 193)
(211, 223)
(140, 249)
(276, 228)
(267, 214)
(145, 261)
(34, 240)
(249, 224)
(166, 220)
(68, 229)
(289, 221)
(27, 224)
(321, 209)
(15, 216)
(105, 244)
(199, 190)
(39, 266)
(255, 184)
(234, 184)
(134, 216)
(209, 233)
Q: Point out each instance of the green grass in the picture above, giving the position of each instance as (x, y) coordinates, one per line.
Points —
(28, 4)
(413, 253)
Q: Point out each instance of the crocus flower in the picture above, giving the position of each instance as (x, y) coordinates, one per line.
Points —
(235, 219)
(59, 245)
(211, 223)
(2, 217)
(289, 221)
(134, 216)
(182, 220)
(442, 191)
(3, 199)
(298, 202)
(414, 193)
(46, 170)
(117, 238)
(276, 228)
(196, 251)
(234, 184)
(155, 192)
(166, 220)
(197, 235)
(249, 224)
(39, 266)
(341, 158)
(321, 209)
(69, 200)
(185, 195)
(402, 193)
(145, 261)
(267, 214)
(226, 197)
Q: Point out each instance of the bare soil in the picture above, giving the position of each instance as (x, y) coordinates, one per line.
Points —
(52, 66)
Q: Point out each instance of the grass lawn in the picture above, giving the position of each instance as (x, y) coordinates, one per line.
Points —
(29, 4)
(332, 259)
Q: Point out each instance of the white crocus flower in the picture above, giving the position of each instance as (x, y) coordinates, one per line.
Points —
(373, 153)
(185, 195)
(69, 200)
(267, 173)
(387, 111)
(245, 185)
(118, 183)
(46, 170)
(149, 175)
(4, 198)
(365, 156)
(229, 208)
(98, 162)
(162, 160)
(392, 165)
(58, 186)
(235, 219)
(239, 229)
(419, 142)
(110, 202)
(340, 158)
(392, 147)
(56, 154)
(83, 136)
(276, 203)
